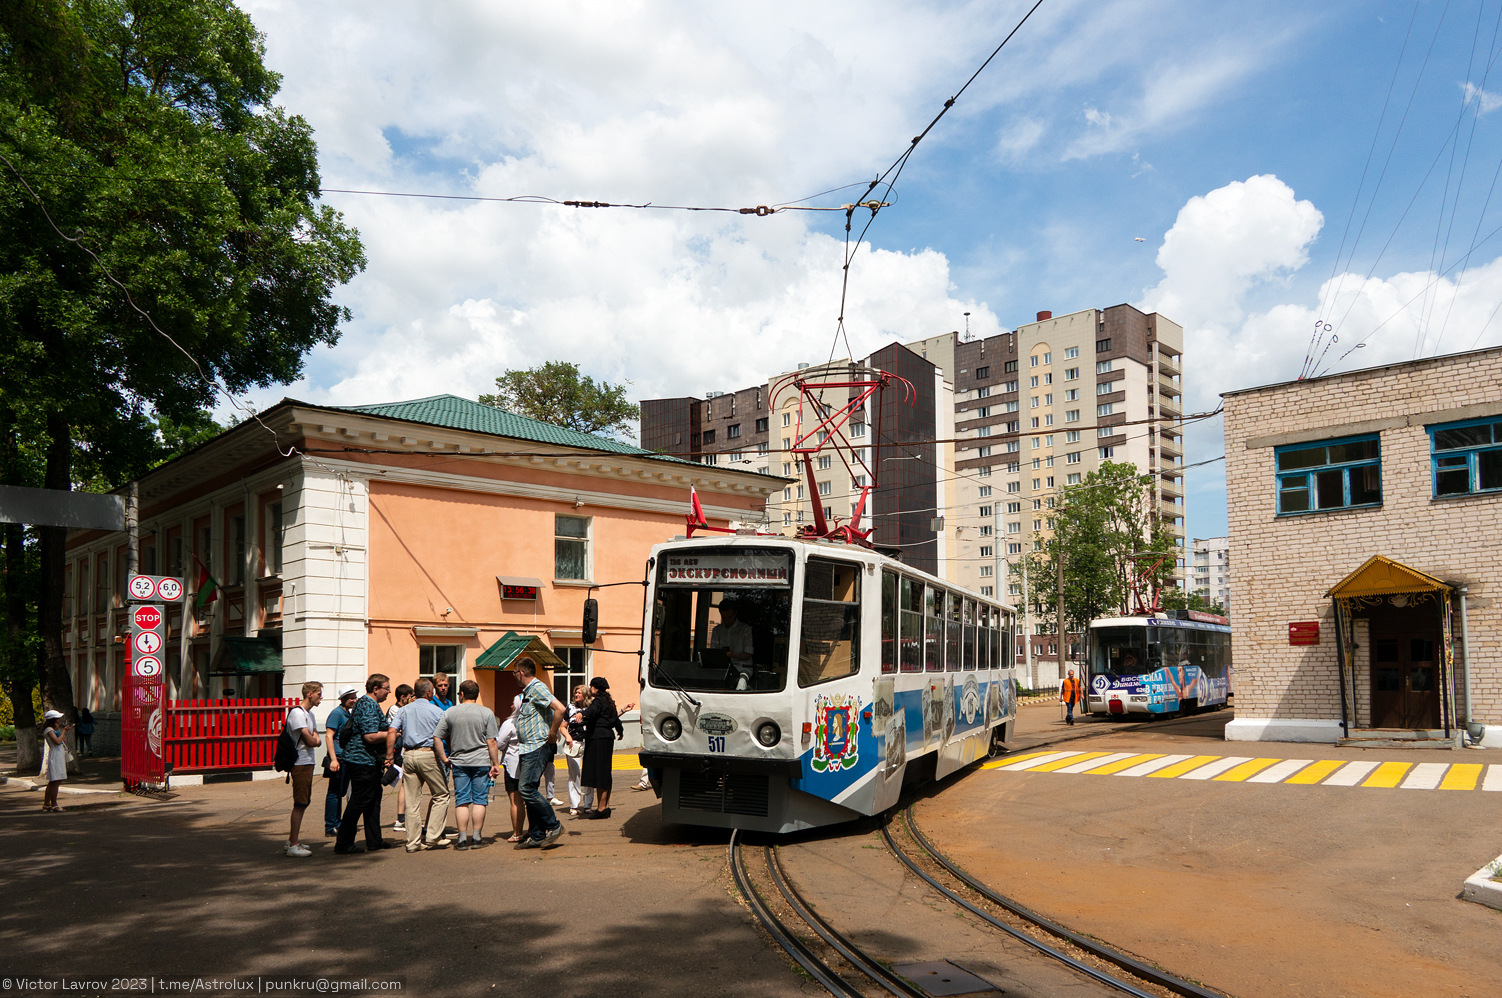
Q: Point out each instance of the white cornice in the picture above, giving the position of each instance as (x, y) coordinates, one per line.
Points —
(524, 490)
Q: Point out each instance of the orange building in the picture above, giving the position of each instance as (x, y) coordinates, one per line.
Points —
(436, 535)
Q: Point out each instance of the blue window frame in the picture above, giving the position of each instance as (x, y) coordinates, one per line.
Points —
(1330, 474)
(1466, 457)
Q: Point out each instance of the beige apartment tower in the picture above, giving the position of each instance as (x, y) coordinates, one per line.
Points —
(1038, 409)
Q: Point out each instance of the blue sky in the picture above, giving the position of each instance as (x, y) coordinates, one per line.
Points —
(1231, 138)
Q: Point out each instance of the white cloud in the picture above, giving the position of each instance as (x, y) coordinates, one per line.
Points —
(1489, 101)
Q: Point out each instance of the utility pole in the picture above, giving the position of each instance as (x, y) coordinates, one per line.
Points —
(1027, 624)
(1058, 534)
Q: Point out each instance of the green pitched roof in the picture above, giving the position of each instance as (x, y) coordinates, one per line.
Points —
(510, 646)
(466, 414)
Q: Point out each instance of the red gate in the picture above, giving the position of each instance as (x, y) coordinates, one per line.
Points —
(223, 734)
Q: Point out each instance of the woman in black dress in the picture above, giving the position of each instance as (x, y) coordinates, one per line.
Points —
(602, 725)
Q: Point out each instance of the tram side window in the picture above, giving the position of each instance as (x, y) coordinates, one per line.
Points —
(910, 625)
(952, 631)
(888, 622)
(983, 637)
(829, 646)
(933, 629)
(972, 660)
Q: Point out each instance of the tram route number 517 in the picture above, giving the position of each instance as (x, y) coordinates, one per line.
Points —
(716, 743)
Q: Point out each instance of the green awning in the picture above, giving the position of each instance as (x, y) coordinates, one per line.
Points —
(242, 656)
(511, 646)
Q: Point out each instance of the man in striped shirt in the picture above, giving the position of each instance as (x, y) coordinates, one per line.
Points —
(537, 723)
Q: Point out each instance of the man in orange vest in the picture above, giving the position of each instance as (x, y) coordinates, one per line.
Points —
(1069, 695)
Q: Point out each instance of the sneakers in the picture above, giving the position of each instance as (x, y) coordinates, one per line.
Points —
(416, 847)
(400, 824)
(642, 786)
(556, 802)
(478, 844)
(528, 843)
(440, 843)
(552, 834)
(298, 850)
(462, 844)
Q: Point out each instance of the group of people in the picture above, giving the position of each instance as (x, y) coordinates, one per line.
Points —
(453, 753)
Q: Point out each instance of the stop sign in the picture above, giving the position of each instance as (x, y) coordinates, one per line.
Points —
(147, 618)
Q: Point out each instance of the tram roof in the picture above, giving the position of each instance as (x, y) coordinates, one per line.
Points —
(825, 546)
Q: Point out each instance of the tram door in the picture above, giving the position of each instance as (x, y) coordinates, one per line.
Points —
(1405, 669)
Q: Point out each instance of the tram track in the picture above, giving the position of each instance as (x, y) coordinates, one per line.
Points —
(846, 969)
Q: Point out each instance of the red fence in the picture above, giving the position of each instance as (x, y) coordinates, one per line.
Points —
(223, 734)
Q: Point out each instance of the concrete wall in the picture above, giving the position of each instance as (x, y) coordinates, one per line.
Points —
(1284, 565)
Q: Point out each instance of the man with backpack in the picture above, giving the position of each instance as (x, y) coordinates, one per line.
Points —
(301, 735)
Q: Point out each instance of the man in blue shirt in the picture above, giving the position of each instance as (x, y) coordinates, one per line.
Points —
(441, 692)
(537, 723)
(421, 768)
(336, 774)
(367, 751)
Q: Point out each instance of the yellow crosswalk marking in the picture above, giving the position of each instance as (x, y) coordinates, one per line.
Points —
(1389, 774)
(1049, 767)
(1007, 760)
(1180, 768)
(1120, 764)
(1317, 772)
(1241, 772)
(1462, 776)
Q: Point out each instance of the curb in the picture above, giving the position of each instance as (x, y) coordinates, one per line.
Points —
(1481, 888)
(22, 781)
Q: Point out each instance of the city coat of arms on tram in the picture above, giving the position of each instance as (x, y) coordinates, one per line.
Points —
(836, 730)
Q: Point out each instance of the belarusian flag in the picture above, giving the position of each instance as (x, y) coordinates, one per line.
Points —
(207, 587)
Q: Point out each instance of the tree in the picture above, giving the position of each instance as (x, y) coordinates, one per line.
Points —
(1183, 599)
(162, 234)
(555, 393)
(1098, 525)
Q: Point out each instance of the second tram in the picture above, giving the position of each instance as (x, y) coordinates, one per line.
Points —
(1175, 661)
(791, 683)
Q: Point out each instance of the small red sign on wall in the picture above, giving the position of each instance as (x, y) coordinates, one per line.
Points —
(1303, 632)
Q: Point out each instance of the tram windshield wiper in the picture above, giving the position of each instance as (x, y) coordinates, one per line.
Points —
(658, 673)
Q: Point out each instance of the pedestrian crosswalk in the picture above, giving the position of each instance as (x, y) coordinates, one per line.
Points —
(1248, 769)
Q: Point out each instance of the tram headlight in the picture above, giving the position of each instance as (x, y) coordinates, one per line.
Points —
(768, 734)
(670, 728)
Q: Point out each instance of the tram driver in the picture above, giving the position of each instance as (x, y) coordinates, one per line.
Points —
(734, 636)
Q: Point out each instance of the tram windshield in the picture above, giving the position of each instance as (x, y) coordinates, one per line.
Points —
(1119, 651)
(720, 620)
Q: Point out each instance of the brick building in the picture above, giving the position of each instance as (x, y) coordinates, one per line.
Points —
(1366, 528)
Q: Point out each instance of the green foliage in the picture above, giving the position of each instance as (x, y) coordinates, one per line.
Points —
(1099, 524)
(555, 393)
(1181, 599)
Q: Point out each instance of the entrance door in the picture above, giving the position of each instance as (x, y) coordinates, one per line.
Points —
(1405, 670)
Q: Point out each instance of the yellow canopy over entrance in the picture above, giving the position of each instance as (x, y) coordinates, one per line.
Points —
(1381, 576)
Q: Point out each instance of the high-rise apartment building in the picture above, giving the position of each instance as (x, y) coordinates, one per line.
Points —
(907, 443)
(1038, 409)
(1210, 570)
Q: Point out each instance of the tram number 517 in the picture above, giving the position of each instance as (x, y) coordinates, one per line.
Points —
(716, 743)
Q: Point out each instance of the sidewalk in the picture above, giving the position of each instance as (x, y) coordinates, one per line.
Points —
(96, 774)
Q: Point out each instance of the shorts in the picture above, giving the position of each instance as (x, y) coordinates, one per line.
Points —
(511, 785)
(302, 785)
(472, 785)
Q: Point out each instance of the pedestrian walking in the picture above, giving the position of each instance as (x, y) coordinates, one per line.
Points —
(84, 732)
(506, 742)
(366, 750)
(305, 736)
(602, 725)
(580, 797)
(415, 725)
(333, 771)
(537, 723)
(1069, 695)
(466, 736)
(55, 756)
(404, 695)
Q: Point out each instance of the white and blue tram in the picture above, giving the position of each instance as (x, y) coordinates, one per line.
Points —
(794, 683)
(1175, 661)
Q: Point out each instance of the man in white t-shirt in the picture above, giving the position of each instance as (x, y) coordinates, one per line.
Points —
(734, 635)
(305, 734)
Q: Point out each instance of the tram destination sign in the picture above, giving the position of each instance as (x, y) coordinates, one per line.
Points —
(724, 571)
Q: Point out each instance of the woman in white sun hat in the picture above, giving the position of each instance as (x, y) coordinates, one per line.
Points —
(55, 759)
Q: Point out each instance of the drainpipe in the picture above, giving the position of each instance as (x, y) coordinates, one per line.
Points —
(1465, 652)
(1340, 667)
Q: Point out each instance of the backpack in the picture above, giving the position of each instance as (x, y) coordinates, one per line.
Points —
(286, 751)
